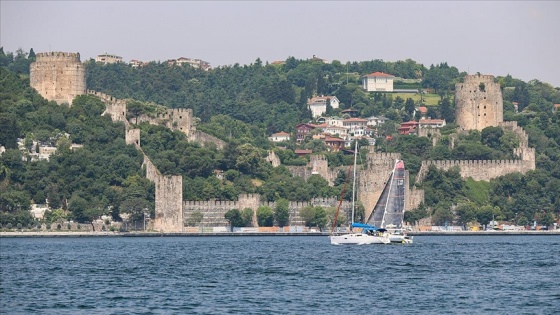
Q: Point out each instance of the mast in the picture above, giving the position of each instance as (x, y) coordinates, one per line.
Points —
(354, 179)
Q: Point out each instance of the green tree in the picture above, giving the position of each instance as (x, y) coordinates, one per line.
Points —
(233, 216)
(265, 216)
(282, 212)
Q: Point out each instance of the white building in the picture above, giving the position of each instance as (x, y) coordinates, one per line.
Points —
(318, 104)
(378, 82)
(376, 121)
(107, 58)
(279, 137)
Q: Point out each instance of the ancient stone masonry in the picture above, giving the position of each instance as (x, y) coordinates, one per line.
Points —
(113, 106)
(175, 119)
(479, 170)
(213, 212)
(318, 165)
(203, 137)
(373, 176)
(478, 102)
(58, 76)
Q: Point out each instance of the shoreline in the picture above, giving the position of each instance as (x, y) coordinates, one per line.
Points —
(158, 234)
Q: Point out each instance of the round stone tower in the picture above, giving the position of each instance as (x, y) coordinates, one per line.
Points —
(478, 102)
(58, 76)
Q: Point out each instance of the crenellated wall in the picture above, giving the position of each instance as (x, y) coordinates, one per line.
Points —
(213, 212)
(58, 76)
(479, 170)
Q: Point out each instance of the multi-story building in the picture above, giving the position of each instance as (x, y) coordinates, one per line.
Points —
(378, 82)
(318, 104)
(108, 58)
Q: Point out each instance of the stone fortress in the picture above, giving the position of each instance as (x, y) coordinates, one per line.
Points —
(479, 104)
(60, 77)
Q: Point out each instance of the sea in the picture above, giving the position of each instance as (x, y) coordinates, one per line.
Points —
(279, 275)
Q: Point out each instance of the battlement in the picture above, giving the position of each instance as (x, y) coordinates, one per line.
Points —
(479, 169)
(57, 56)
(478, 78)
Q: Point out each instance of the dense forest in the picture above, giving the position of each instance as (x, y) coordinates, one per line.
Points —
(242, 105)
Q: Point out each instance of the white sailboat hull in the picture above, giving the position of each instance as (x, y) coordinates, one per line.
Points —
(399, 238)
(359, 239)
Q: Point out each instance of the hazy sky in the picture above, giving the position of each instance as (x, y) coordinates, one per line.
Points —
(499, 38)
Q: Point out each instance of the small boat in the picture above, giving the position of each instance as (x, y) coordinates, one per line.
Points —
(369, 234)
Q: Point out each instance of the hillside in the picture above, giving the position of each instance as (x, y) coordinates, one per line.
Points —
(242, 105)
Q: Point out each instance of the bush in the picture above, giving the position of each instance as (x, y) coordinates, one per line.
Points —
(39, 226)
(79, 226)
(9, 226)
(58, 226)
(69, 226)
(48, 226)
(19, 226)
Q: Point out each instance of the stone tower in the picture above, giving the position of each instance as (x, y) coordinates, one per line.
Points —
(58, 76)
(478, 102)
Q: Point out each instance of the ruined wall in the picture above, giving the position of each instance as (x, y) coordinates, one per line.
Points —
(273, 159)
(203, 137)
(478, 102)
(175, 119)
(113, 106)
(58, 76)
(132, 136)
(318, 165)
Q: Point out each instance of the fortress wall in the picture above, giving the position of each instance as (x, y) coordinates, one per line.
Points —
(203, 137)
(479, 170)
(169, 197)
(132, 136)
(373, 177)
(273, 159)
(58, 76)
(214, 211)
(113, 106)
(477, 108)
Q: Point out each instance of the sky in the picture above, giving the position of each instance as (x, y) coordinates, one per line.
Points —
(520, 38)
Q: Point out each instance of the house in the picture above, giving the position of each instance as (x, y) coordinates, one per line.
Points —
(376, 121)
(136, 63)
(195, 63)
(354, 123)
(431, 123)
(556, 107)
(350, 112)
(423, 111)
(301, 152)
(334, 143)
(335, 130)
(106, 58)
(318, 105)
(302, 130)
(408, 128)
(279, 137)
(378, 82)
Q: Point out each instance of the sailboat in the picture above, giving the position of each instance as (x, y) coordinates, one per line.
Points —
(369, 234)
(388, 212)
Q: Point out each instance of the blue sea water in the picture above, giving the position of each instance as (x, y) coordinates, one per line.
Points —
(279, 275)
